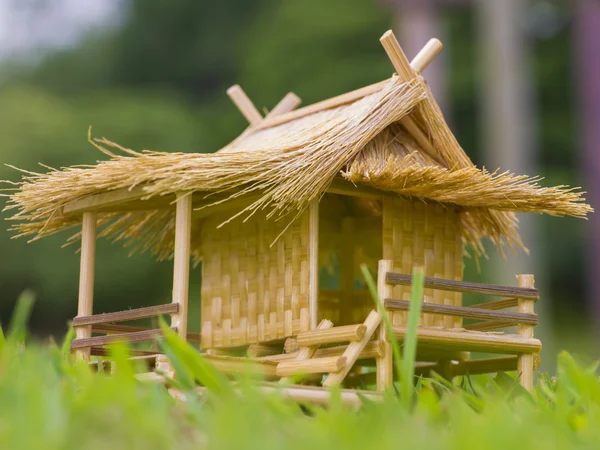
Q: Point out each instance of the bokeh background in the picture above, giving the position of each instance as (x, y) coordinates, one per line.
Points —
(519, 82)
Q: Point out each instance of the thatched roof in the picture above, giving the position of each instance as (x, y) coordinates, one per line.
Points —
(293, 162)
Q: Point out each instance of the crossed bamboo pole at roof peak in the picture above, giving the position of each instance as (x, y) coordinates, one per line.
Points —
(283, 111)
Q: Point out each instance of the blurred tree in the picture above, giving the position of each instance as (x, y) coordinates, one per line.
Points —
(38, 126)
(156, 79)
(316, 49)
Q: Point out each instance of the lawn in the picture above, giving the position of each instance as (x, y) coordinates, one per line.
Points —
(51, 401)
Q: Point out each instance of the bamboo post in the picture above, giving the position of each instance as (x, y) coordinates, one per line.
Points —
(385, 364)
(86, 278)
(525, 361)
(244, 104)
(313, 262)
(181, 263)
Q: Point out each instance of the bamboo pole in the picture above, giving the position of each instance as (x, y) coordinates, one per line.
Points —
(385, 363)
(525, 360)
(313, 262)
(374, 349)
(257, 350)
(308, 351)
(87, 264)
(304, 353)
(320, 396)
(346, 333)
(244, 104)
(433, 47)
(331, 364)
(406, 73)
(285, 105)
(181, 262)
(354, 350)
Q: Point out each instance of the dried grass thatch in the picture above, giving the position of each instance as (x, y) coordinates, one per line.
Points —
(293, 163)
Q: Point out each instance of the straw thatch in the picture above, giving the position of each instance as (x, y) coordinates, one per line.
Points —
(290, 164)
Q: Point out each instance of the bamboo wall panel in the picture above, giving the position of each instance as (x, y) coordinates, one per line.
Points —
(426, 234)
(252, 291)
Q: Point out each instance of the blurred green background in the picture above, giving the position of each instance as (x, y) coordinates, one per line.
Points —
(152, 74)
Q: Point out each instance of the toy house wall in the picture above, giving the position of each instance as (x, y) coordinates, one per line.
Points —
(429, 235)
(252, 291)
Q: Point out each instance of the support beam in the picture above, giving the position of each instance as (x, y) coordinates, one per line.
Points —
(181, 262)
(85, 304)
(385, 363)
(525, 360)
(244, 104)
(105, 200)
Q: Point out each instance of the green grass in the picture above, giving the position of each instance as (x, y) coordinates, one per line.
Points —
(50, 401)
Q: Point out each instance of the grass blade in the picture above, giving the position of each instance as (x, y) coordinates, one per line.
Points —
(65, 348)
(17, 330)
(410, 340)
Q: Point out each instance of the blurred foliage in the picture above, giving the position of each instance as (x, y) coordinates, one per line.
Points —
(157, 81)
(52, 401)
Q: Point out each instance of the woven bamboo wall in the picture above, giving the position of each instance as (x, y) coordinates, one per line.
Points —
(252, 292)
(430, 235)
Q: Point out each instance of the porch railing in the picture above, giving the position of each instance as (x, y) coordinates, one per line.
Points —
(472, 337)
(105, 325)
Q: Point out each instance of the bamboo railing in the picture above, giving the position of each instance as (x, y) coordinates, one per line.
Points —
(473, 337)
(105, 324)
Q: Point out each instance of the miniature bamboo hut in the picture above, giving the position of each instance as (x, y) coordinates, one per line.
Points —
(282, 217)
